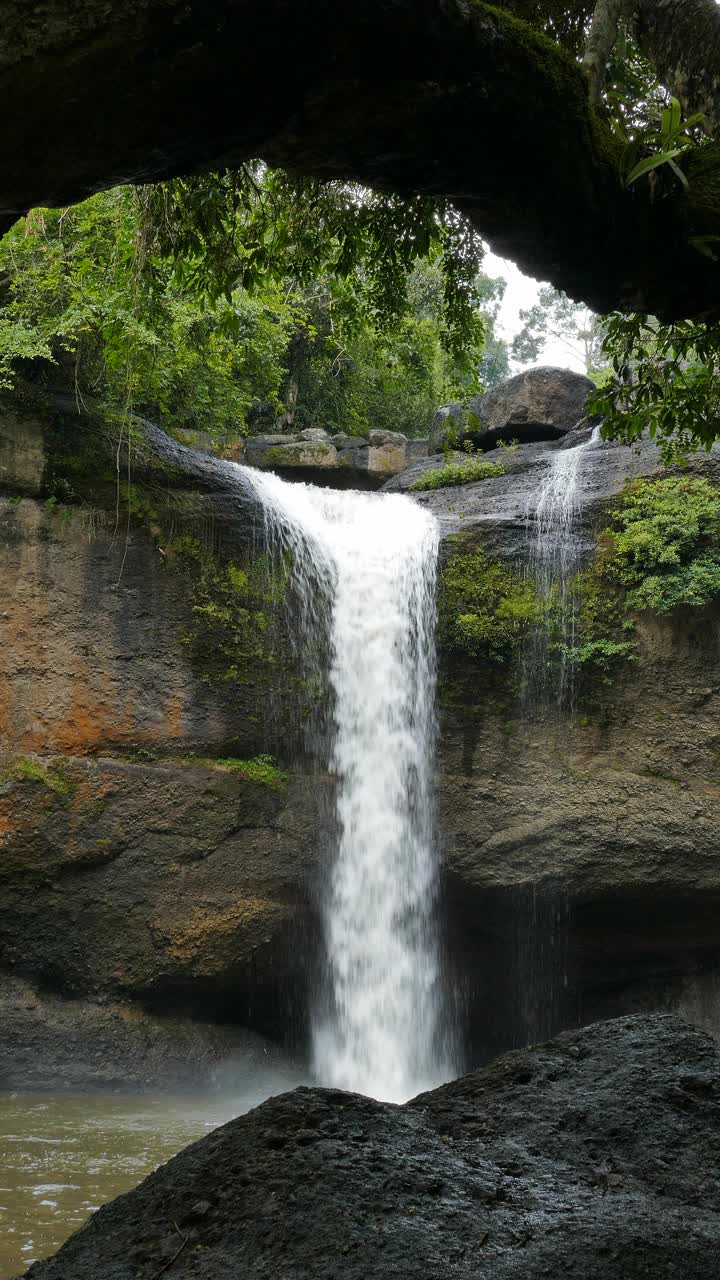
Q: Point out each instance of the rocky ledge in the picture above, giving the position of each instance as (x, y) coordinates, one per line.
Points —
(339, 461)
(593, 1157)
(53, 1043)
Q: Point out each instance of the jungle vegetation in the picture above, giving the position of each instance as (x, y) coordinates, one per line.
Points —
(251, 297)
(239, 303)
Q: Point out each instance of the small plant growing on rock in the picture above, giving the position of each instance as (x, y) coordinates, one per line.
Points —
(456, 473)
(30, 769)
(509, 449)
(260, 769)
(600, 656)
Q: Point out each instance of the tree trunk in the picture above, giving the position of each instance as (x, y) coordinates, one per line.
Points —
(600, 42)
(682, 40)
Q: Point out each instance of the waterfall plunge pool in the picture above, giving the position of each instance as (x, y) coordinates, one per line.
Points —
(63, 1155)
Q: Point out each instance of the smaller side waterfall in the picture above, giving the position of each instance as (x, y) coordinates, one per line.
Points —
(556, 508)
(542, 910)
(363, 567)
(554, 552)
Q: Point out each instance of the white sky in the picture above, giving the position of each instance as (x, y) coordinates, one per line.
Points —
(522, 292)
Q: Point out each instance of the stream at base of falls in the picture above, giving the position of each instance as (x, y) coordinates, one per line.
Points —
(64, 1155)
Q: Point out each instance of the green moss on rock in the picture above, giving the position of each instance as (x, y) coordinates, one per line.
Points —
(234, 604)
(485, 607)
(261, 769)
(31, 769)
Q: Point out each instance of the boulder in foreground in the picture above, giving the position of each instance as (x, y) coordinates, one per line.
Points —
(595, 1156)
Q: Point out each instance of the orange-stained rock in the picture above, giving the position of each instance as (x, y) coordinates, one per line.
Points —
(90, 643)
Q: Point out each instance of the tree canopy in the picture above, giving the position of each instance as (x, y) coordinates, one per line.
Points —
(554, 315)
(296, 305)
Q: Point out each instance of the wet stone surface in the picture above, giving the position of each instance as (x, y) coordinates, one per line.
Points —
(594, 1156)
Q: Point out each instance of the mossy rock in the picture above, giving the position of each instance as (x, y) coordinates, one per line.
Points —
(485, 606)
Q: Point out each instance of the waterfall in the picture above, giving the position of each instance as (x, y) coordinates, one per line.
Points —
(554, 552)
(556, 508)
(363, 567)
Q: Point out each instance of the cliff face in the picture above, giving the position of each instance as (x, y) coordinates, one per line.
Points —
(582, 875)
(134, 866)
(581, 852)
(153, 857)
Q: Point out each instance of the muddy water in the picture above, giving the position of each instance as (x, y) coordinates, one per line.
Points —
(62, 1156)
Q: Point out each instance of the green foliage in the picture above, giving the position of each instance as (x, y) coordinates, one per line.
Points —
(354, 379)
(455, 473)
(668, 139)
(253, 226)
(660, 552)
(664, 377)
(641, 112)
(602, 625)
(508, 450)
(494, 365)
(484, 607)
(665, 381)
(72, 286)
(600, 656)
(230, 309)
(260, 769)
(19, 342)
(664, 544)
(633, 96)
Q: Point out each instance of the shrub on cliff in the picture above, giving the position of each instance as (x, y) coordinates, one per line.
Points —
(454, 473)
(660, 552)
(484, 607)
(662, 546)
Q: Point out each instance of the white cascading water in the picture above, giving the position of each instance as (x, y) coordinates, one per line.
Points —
(364, 566)
(554, 552)
(556, 506)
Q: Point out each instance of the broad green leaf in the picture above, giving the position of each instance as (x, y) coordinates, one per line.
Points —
(653, 162)
(672, 119)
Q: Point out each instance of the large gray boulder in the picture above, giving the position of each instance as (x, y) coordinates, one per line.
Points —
(290, 453)
(593, 1157)
(539, 404)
